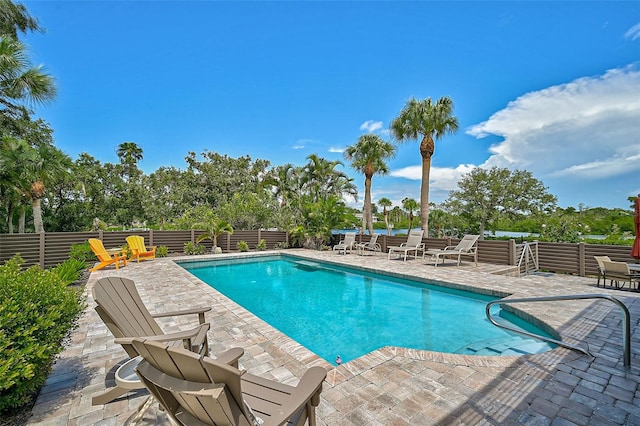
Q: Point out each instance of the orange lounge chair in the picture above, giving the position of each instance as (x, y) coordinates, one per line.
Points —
(139, 250)
(105, 258)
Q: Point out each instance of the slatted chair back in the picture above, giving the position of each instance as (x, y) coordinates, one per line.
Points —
(192, 387)
(122, 310)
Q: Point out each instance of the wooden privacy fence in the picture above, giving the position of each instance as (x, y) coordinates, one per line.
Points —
(50, 248)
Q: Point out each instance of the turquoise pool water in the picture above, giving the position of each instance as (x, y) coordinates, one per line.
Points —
(341, 311)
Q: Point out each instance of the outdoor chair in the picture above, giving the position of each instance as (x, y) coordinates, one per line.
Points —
(347, 243)
(104, 257)
(195, 390)
(601, 270)
(121, 309)
(466, 247)
(370, 246)
(139, 250)
(619, 272)
(414, 244)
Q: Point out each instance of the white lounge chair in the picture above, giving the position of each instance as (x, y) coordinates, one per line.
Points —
(414, 244)
(466, 247)
(347, 244)
(370, 246)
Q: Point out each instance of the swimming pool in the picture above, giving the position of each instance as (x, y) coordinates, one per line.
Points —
(340, 311)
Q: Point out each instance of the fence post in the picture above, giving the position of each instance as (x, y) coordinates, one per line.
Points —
(100, 234)
(41, 253)
(193, 235)
(512, 252)
(581, 259)
(150, 237)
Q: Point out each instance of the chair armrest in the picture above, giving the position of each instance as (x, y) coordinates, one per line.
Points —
(191, 334)
(449, 248)
(230, 357)
(308, 389)
(200, 311)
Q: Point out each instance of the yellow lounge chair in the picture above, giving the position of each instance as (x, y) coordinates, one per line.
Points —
(105, 258)
(139, 250)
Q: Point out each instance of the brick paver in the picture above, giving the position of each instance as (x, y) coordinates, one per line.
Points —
(391, 386)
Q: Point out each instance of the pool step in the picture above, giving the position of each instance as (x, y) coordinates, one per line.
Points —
(514, 345)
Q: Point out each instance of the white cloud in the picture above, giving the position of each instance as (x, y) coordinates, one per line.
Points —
(584, 129)
(440, 178)
(339, 150)
(634, 32)
(301, 143)
(371, 126)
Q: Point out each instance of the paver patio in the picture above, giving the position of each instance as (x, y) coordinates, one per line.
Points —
(391, 386)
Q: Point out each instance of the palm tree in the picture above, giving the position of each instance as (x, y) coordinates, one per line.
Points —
(129, 154)
(368, 156)
(422, 118)
(19, 80)
(409, 204)
(385, 203)
(320, 178)
(48, 165)
(14, 18)
(213, 229)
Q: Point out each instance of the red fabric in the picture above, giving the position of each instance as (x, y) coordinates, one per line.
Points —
(635, 251)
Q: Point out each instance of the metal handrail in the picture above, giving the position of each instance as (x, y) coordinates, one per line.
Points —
(626, 323)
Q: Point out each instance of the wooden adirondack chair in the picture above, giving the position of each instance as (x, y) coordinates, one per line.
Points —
(201, 391)
(105, 258)
(139, 250)
(125, 315)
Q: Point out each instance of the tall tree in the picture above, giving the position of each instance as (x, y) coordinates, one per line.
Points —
(47, 165)
(15, 17)
(19, 80)
(368, 155)
(429, 121)
(386, 203)
(321, 179)
(485, 195)
(410, 205)
(130, 154)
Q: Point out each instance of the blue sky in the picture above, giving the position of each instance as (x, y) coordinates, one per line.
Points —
(550, 87)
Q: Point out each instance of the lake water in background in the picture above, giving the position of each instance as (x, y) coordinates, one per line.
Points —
(512, 234)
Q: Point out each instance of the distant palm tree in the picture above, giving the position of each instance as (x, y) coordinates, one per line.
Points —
(129, 153)
(320, 178)
(422, 118)
(368, 156)
(409, 204)
(385, 203)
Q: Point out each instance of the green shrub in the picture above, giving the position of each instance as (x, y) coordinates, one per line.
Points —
(162, 251)
(281, 245)
(37, 310)
(70, 270)
(194, 248)
(262, 245)
(82, 252)
(242, 246)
